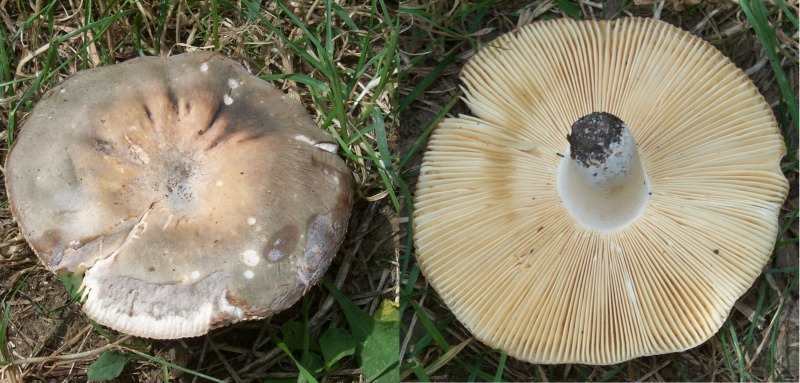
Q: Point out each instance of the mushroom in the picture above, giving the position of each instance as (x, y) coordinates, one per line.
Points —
(616, 191)
(189, 193)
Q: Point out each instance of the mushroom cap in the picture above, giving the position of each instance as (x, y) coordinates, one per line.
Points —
(497, 244)
(191, 193)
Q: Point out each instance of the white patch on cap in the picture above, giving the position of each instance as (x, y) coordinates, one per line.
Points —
(251, 221)
(157, 311)
(249, 274)
(250, 258)
(219, 183)
(204, 67)
(232, 83)
(303, 138)
(227, 99)
(63, 90)
(327, 146)
(195, 274)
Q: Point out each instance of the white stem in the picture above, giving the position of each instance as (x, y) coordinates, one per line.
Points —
(607, 189)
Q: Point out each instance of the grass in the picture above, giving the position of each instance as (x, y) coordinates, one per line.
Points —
(338, 58)
(344, 60)
(758, 342)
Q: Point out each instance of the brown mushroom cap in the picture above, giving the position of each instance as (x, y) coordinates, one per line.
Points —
(191, 193)
(495, 240)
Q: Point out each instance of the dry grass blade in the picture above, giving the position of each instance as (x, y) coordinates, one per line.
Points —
(78, 357)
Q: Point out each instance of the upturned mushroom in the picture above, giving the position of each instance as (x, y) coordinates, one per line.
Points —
(189, 193)
(614, 194)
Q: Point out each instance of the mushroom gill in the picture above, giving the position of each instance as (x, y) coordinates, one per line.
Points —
(496, 239)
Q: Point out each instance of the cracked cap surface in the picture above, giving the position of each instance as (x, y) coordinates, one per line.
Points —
(191, 193)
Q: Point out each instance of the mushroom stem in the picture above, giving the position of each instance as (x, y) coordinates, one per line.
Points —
(601, 180)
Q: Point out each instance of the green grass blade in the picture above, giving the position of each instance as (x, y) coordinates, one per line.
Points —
(757, 15)
(428, 80)
(170, 365)
(361, 324)
(473, 374)
(412, 275)
(382, 141)
(757, 314)
(773, 340)
(788, 13)
(612, 375)
(319, 86)
(215, 24)
(303, 372)
(5, 68)
(430, 327)
(498, 377)
(570, 9)
(328, 29)
(4, 323)
(727, 354)
(419, 371)
(316, 64)
(451, 353)
(427, 132)
(423, 342)
(743, 376)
